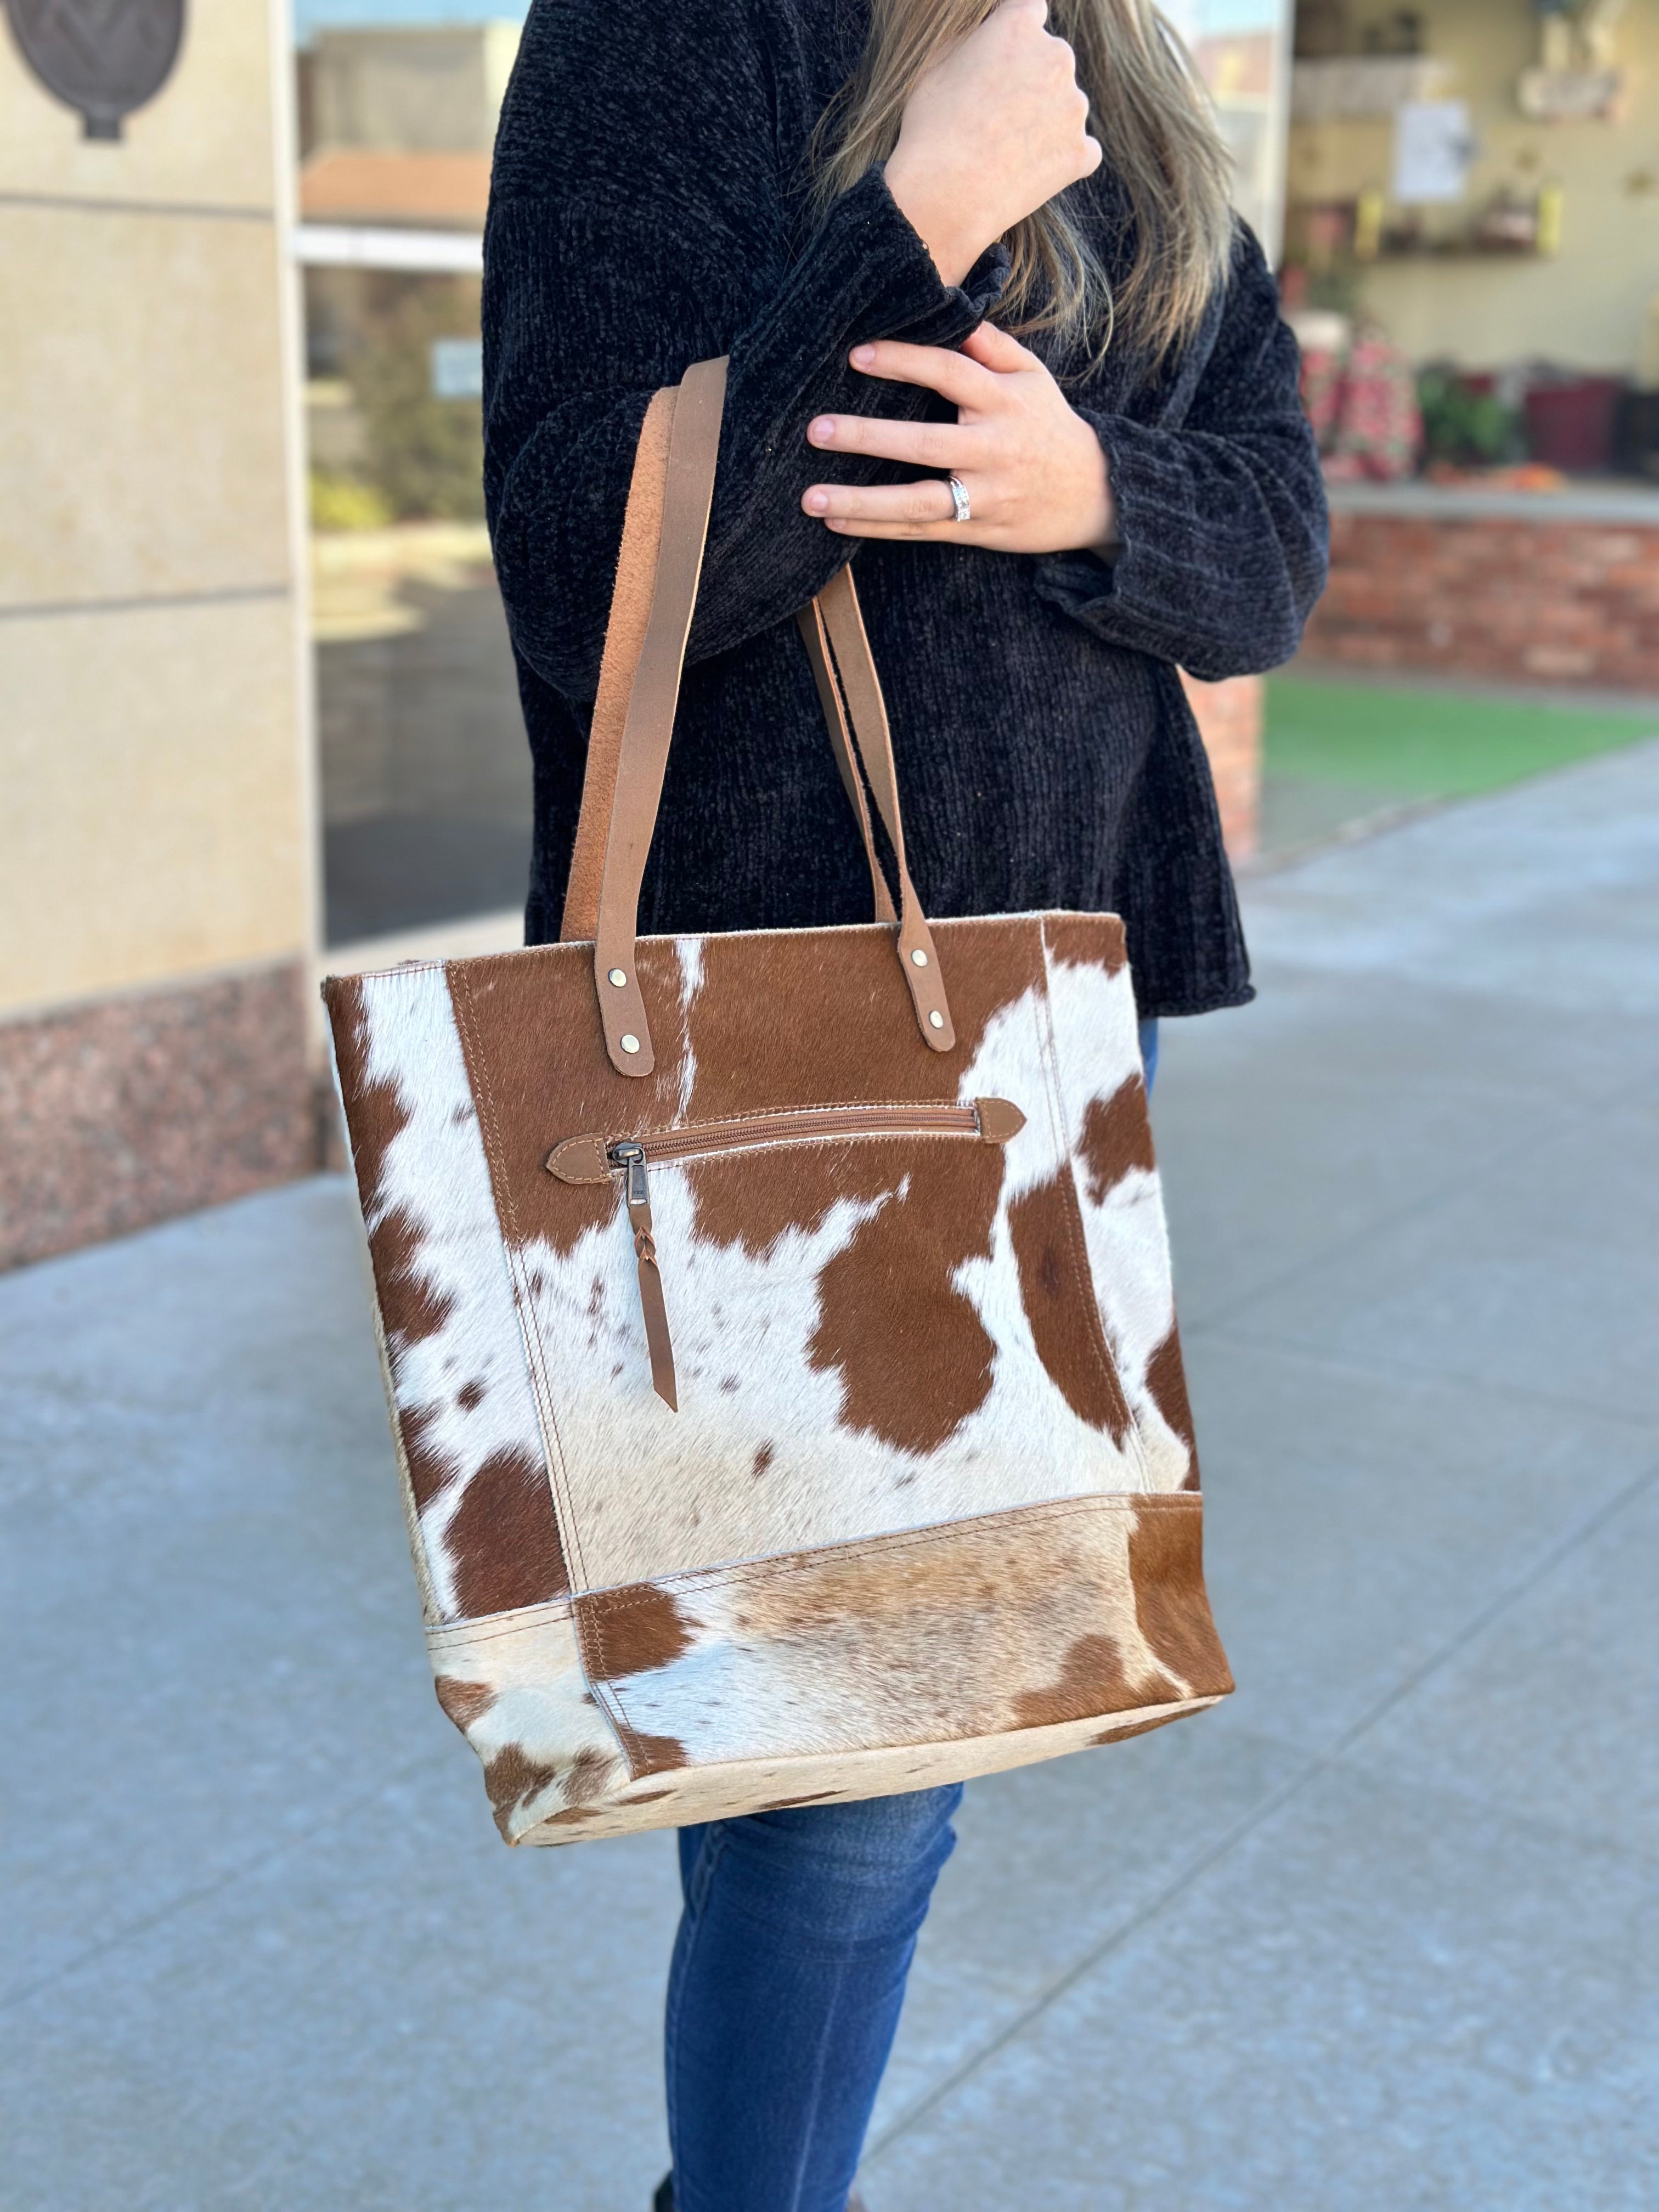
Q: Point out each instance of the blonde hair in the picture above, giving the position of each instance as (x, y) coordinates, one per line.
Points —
(1155, 123)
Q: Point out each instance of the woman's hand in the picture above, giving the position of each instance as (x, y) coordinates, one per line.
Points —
(1034, 472)
(995, 128)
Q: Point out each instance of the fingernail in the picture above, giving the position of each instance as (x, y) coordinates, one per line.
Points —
(834, 525)
(822, 430)
(817, 501)
(863, 355)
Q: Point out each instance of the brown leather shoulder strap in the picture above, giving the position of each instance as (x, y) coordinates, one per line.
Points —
(659, 567)
(839, 649)
(688, 494)
(624, 639)
(838, 602)
(810, 623)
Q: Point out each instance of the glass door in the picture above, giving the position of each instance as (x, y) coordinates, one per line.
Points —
(425, 773)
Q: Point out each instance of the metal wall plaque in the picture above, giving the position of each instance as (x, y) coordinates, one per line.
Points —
(103, 57)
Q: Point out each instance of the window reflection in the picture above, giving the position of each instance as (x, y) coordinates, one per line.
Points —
(1242, 51)
(426, 783)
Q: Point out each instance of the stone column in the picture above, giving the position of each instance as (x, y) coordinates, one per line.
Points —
(157, 865)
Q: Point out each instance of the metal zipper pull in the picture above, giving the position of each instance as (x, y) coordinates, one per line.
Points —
(628, 1154)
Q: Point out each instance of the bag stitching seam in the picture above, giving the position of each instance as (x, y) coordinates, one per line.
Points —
(464, 1631)
(1083, 1274)
(695, 1578)
(824, 1106)
(461, 996)
(558, 1483)
(1060, 1508)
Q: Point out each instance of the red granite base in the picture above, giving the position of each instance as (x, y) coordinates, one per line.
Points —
(126, 1111)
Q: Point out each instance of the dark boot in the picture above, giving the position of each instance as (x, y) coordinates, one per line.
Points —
(663, 2199)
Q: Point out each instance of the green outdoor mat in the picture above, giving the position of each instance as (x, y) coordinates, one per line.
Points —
(1431, 745)
(1342, 758)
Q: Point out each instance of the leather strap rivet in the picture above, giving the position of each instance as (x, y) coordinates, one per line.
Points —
(936, 1020)
(628, 1042)
(919, 958)
(618, 977)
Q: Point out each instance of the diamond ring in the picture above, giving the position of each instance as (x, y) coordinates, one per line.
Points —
(959, 499)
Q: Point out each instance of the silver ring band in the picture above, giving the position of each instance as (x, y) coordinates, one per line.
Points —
(959, 499)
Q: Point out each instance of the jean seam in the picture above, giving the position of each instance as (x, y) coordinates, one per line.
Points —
(819, 2058)
(701, 1876)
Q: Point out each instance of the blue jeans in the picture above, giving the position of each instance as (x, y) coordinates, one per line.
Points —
(788, 1973)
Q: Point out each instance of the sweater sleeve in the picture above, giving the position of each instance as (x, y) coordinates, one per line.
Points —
(1222, 527)
(637, 224)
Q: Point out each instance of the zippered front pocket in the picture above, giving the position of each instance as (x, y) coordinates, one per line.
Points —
(593, 1158)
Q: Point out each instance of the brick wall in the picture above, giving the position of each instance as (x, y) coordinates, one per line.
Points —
(1229, 719)
(1514, 599)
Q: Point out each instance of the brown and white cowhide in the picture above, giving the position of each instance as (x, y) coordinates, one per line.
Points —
(931, 1400)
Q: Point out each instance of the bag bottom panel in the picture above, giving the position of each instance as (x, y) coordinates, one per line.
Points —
(867, 1668)
(1081, 1606)
(724, 1793)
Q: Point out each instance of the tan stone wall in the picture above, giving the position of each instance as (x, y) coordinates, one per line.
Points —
(150, 716)
(156, 833)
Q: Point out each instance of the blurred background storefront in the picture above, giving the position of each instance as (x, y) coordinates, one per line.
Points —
(1470, 262)
(425, 776)
(259, 713)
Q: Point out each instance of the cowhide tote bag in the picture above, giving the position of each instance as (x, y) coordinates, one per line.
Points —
(777, 1326)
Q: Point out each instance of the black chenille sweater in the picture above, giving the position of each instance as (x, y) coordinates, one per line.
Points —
(646, 213)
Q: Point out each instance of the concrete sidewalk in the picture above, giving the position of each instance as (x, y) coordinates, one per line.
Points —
(1382, 1934)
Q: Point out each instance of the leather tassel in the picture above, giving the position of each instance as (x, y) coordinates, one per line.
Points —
(657, 1338)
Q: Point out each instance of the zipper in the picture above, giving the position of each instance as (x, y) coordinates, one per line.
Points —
(591, 1158)
(628, 1154)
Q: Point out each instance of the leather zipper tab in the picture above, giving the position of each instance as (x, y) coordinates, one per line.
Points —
(628, 1154)
(999, 1120)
